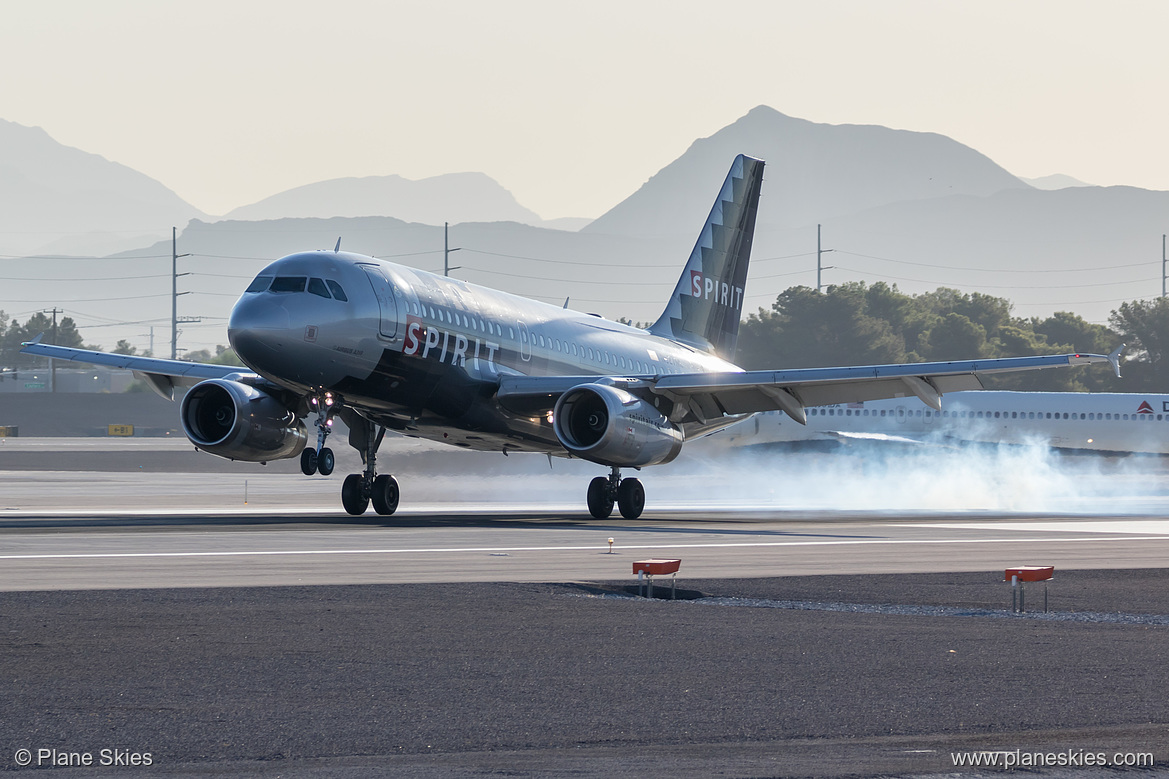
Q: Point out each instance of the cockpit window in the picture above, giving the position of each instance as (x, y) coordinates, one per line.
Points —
(317, 287)
(288, 284)
(259, 284)
(337, 291)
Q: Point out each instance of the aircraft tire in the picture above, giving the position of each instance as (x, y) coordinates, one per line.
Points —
(308, 462)
(600, 504)
(351, 498)
(326, 461)
(385, 495)
(631, 498)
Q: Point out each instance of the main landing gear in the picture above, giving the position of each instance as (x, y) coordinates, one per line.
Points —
(628, 494)
(321, 459)
(361, 489)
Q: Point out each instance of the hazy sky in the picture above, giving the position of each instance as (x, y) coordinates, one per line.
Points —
(572, 106)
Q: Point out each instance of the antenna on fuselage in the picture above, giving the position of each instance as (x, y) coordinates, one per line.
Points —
(566, 302)
(337, 248)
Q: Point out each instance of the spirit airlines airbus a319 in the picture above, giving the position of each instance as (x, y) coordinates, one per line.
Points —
(387, 347)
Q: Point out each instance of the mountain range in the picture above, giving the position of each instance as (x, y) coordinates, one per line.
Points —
(453, 197)
(916, 209)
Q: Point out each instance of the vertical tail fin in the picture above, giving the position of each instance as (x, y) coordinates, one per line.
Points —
(705, 308)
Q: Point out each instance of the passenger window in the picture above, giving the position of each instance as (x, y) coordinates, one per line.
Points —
(288, 284)
(317, 287)
(259, 284)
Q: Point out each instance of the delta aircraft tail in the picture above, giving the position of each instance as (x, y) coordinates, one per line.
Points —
(706, 306)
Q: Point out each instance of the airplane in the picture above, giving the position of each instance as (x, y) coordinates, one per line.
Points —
(1103, 422)
(389, 348)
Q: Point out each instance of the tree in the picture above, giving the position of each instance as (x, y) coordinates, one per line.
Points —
(809, 329)
(124, 347)
(15, 334)
(1079, 335)
(955, 336)
(1144, 327)
(224, 355)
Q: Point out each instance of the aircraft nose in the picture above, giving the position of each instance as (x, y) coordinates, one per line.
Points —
(258, 328)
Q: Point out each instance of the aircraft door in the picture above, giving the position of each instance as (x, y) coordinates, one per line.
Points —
(383, 288)
(525, 341)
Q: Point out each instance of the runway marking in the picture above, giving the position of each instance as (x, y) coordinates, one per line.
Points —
(1068, 526)
(440, 550)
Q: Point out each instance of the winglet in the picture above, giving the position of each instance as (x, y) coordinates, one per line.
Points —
(36, 340)
(1114, 358)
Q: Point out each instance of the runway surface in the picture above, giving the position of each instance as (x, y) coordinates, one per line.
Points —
(486, 627)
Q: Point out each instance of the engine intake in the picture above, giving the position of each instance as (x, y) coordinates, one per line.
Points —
(610, 426)
(239, 422)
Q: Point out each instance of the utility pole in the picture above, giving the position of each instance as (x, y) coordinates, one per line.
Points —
(819, 254)
(446, 252)
(174, 292)
(1162, 265)
(52, 362)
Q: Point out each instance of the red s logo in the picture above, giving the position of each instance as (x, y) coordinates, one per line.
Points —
(413, 329)
(696, 283)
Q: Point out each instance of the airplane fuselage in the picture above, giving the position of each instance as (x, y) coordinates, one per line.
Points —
(1100, 422)
(422, 354)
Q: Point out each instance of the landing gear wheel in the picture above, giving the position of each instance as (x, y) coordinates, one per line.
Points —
(352, 497)
(599, 500)
(385, 495)
(631, 498)
(325, 462)
(308, 462)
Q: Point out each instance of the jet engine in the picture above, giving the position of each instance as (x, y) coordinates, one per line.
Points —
(240, 422)
(610, 426)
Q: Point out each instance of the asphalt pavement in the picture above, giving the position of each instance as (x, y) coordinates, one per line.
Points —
(579, 679)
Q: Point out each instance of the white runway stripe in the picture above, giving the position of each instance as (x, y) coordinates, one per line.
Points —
(603, 547)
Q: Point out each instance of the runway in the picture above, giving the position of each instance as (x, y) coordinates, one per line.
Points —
(484, 628)
(50, 551)
(474, 517)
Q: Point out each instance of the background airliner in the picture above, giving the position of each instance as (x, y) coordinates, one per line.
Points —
(388, 347)
(1089, 421)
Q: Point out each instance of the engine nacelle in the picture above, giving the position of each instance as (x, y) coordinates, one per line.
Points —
(240, 422)
(610, 426)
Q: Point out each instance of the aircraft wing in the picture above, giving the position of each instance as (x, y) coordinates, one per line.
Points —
(703, 397)
(162, 375)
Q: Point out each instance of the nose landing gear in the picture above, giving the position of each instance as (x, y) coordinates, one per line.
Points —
(628, 494)
(321, 459)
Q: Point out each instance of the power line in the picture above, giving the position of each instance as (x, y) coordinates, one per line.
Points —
(94, 300)
(994, 270)
(62, 257)
(996, 286)
(95, 278)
